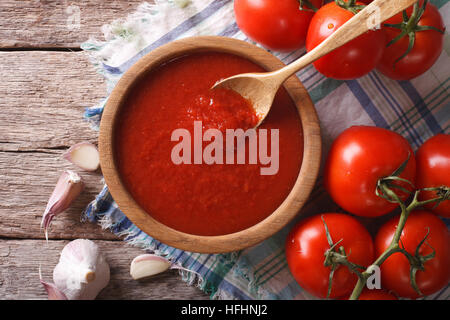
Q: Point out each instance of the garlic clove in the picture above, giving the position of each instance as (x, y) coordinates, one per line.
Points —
(52, 291)
(67, 189)
(82, 271)
(147, 265)
(84, 155)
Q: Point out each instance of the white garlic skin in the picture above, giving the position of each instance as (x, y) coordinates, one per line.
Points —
(82, 271)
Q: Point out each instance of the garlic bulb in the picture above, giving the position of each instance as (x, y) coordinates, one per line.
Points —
(82, 271)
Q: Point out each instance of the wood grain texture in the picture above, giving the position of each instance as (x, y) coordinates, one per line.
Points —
(44, 23)
(42, 99)
(27, 180)
(229, 242)
(19, 272)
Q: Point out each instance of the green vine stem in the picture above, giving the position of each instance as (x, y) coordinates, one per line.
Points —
(385, 189)
(350, 5)
(308, 4)
(415, 261)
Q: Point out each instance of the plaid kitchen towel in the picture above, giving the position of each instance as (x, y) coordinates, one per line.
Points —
(416, 109)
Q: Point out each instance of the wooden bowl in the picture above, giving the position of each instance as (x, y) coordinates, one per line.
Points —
(223, 243)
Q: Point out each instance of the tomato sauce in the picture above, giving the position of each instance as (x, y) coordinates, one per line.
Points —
(202, 199)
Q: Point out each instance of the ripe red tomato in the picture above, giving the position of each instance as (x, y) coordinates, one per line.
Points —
(354, 59)
(433, 170)
(427, 48)
(307, 243)
(277, 25)
(358, 158)
(395, 270)
(374, 294)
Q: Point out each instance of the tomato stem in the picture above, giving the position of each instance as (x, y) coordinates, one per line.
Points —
(335, 258)
(409, 27)
(385, 185)
(350, 5)
(308, 4)
(385, 189)
(416, 261)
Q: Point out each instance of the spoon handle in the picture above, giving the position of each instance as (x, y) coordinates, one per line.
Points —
(368, 18)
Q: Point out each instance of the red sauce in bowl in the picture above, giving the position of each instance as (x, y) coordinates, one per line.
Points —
(202, 199)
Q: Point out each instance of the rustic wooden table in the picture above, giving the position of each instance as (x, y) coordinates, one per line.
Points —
(46, 82)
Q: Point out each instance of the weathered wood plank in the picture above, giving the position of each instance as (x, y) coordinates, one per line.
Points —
(42, 99)
(27, 179)
(50, 24)
(20, 261)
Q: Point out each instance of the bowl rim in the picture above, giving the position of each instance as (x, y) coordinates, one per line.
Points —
(253, 235)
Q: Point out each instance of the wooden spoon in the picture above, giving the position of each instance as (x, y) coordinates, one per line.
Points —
(260, 88)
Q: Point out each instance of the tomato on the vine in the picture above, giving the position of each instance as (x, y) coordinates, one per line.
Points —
(427, 44)
(395, 271)
(307, 243)
(433, 170)
(277, 25)
(354, 59)
(358, 158)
